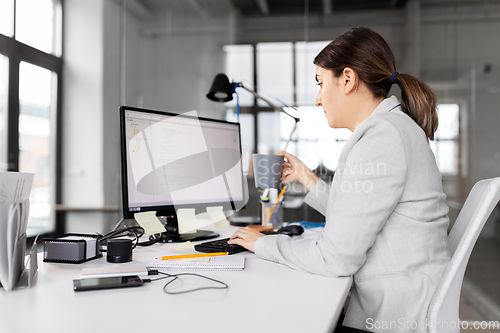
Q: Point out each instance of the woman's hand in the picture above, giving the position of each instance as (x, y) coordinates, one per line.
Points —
(294, 170)
(245, 238)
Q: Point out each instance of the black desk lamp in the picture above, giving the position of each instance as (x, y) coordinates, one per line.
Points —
(222, 91)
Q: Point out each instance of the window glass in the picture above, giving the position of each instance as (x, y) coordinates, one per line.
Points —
(309, 153)
(36, 21)
(446, 152)
(7, 17)
(4, 77)
(37, 105)
(446, 139)
(305, 70)
(239, 68)
(268, 124)
(275, 73)
(331, 153)
(448, 121)
(318, 142)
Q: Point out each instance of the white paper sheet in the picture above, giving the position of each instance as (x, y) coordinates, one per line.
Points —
(15, 189)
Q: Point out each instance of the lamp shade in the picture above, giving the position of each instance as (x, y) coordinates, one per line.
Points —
(221, 90)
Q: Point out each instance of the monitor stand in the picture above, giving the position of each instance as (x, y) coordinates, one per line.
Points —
(172, 235)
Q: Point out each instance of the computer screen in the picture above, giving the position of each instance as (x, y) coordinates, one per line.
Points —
(171, 161)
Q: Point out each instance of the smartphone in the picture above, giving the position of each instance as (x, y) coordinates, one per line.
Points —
(107, 283)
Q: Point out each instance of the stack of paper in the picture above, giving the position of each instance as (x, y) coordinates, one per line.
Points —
(15, 190)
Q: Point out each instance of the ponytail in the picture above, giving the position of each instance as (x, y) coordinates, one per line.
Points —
(419, 103)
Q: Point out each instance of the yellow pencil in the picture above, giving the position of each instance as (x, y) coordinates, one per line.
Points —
(276, 205)
(198, 255)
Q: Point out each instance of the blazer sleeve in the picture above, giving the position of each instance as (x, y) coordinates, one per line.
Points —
(363, 196)
(317, 198)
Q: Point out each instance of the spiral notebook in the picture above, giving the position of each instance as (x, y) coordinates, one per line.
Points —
(219, 263)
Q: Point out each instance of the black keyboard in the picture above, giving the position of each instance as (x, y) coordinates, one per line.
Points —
(221, 245)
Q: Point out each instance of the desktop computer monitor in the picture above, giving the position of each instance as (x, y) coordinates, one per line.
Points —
(171, 161)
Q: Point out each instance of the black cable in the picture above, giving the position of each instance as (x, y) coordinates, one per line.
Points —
(153, 239)
(114, 233)
(176, 276)
(136, 231)
(161, 278)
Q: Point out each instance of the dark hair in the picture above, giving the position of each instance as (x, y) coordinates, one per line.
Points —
(369, 55)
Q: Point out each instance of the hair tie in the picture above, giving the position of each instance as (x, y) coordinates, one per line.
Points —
(392, 80)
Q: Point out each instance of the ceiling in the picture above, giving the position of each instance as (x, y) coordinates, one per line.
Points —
(291, 7)
(259, 8)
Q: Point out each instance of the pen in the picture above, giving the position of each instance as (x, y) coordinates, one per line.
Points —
(273, 217)
(276, 205)
(198, 255)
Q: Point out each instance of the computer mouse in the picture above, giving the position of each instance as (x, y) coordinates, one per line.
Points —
(291, 230)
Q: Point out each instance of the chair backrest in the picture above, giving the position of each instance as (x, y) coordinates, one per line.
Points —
(442, 315)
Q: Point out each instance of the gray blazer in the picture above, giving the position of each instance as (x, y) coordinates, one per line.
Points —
(386, 224)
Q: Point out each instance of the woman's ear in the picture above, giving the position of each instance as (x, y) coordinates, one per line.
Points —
(349, 80)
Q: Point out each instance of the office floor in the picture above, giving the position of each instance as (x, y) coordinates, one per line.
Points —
(480, 299)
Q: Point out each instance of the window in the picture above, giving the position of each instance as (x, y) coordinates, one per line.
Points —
(30, 76)
(285, 75)
(305, 70)
(236, 55)
(37, 24)
(446, 140)
(7, 17)
(275, 72)
(313, 138)
(36, 114)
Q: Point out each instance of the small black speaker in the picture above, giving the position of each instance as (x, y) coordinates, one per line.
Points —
(119, 250)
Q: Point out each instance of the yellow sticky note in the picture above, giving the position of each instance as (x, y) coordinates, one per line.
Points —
(183, 246)
(187, 220)
(149, 222)
(217, 216)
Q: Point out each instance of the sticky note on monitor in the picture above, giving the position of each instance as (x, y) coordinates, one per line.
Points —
(149, 222)
(217, 216)
(186, 220)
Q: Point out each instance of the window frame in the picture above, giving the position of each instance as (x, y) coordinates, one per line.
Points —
(17, 52)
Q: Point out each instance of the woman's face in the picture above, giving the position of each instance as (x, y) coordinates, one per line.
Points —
(331, 97)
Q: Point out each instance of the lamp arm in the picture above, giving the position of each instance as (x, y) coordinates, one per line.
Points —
(274, 106)
(290, 137)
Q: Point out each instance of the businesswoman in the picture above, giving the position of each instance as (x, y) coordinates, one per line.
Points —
(386, 218)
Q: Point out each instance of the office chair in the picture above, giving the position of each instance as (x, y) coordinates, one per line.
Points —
(442, 315)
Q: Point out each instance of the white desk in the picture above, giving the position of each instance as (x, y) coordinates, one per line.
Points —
(264, 297)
